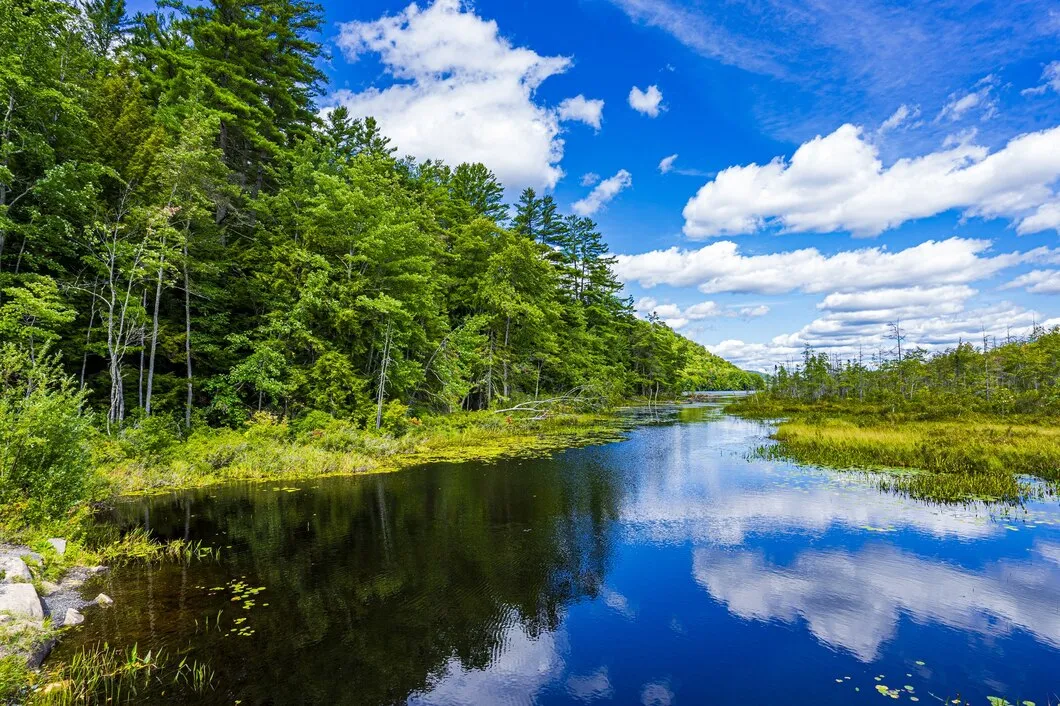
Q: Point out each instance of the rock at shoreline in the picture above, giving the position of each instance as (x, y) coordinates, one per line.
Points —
(14, 569)
(59, 544)
(39, 653)
(103, 599)
(73, 617)
(21, 599)
(49, 587)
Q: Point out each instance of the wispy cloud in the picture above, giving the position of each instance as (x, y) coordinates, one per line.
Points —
(1050, 81)
(858, 58)
(666, 165)
(603, 194)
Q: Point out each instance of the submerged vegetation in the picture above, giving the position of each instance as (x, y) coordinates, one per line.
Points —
(969, 421)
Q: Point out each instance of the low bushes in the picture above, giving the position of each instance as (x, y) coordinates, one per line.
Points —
(45, 466)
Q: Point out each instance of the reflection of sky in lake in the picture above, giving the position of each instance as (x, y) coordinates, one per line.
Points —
(737, 579)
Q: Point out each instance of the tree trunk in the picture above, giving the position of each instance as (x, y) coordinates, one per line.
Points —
(140, 378)
(382, 377)
(187, 336)
(88, 336)
(154, 331)
(507, 328)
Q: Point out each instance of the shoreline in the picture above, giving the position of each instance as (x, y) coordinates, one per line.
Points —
(270, 452)
(40, 598)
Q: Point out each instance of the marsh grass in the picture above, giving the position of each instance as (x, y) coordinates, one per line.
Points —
(107, 675)
(15, 678)
(138, 546)
(271, 449)
(946, 461)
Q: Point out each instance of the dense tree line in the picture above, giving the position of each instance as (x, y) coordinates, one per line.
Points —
(1017, 375)
(192, 236)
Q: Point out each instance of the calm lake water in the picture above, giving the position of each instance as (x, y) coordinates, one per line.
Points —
(671, 568)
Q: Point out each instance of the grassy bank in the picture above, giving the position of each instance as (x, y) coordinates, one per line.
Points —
(272, 449)
(932, 456)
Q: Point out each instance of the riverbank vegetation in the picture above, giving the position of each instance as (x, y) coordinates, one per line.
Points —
(972, 419)
(190, 245)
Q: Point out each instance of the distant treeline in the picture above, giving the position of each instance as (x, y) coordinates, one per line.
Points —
(182, 227)
(1019, 376)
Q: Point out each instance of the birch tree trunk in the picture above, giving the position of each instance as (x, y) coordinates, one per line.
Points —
(154, 329)
(187, 336)
(382, 376)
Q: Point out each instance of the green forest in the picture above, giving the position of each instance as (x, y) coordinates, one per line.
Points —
(188, 234)
(1016, 376)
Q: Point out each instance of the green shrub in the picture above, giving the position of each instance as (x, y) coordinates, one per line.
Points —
(44, 435)
(155, 436)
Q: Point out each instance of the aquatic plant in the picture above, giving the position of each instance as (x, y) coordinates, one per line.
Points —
(103, 674)
(139, 546)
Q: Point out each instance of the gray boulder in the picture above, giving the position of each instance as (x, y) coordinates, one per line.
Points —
(20, 599)
(14, 569)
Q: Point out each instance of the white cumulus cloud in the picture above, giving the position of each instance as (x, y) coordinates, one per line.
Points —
(850, 335)
(603, 194)
(722, 267)
(1045, 217)
(925, 286)
(1037, 282)
(666, 165)
(648, 102)
(838, 182)
(581, 109)
(676, 317)
(461, 92)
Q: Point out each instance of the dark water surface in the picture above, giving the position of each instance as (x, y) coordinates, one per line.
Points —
(671, 568)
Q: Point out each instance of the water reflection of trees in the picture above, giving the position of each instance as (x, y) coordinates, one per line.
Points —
(374, 584)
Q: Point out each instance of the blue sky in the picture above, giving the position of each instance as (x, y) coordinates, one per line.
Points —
(840, 163)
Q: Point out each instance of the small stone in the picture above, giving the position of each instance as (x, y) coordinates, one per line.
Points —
(103, 599)
(73, 617)
(59, 544)
(20, 599)
(14, 569)
(49, 587)
(93, 570)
